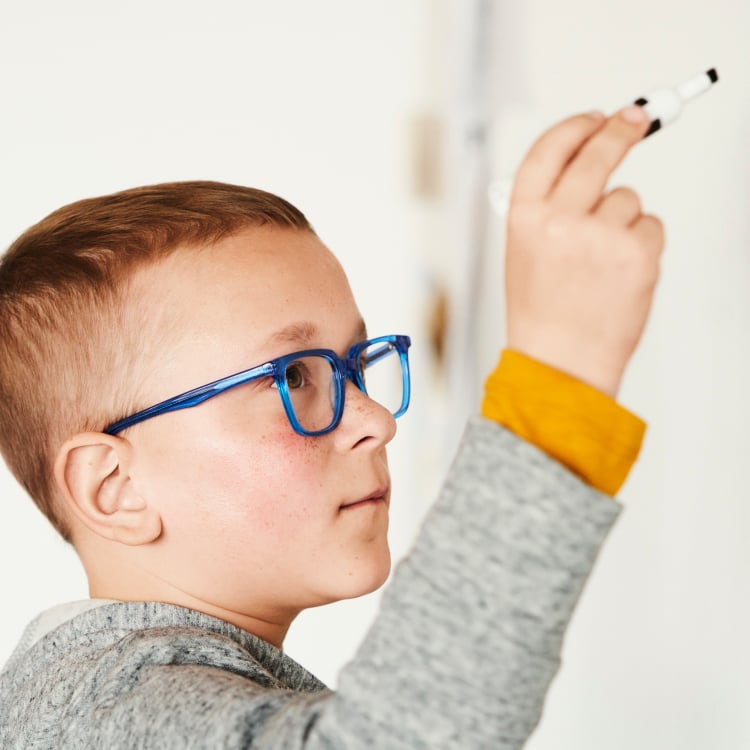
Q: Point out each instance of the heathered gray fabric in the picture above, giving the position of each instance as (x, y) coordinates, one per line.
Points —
(52, 618)
(460, 655)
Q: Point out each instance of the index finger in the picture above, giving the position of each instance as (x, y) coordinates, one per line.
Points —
(585, 178)
(547, 157)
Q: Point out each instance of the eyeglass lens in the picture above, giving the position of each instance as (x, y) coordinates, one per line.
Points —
(311, 384)
(380, 369)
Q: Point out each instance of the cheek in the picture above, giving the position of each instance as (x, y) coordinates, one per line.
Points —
(242, 483)
(281, 478)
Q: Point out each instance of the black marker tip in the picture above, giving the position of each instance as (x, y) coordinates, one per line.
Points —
(713, 75)
(641, 102)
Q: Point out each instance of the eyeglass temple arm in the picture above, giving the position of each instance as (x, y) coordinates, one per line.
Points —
(193, 397)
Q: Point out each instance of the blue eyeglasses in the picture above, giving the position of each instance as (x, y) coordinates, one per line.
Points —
(311, 384)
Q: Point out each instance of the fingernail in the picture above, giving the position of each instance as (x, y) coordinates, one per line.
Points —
(595, 114)
(634, 114)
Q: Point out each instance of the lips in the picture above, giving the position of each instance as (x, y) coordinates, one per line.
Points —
(373, 498)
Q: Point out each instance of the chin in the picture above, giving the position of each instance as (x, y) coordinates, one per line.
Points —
(362, 578)
(377, 579)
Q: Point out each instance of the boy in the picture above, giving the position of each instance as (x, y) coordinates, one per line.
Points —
(208, 517)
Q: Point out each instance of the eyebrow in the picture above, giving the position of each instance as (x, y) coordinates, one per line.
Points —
(295, 333)
(304, 332)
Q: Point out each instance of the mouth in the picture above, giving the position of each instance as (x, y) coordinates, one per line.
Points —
(374, 498)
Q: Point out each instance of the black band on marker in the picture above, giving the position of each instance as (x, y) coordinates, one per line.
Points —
(655, 125)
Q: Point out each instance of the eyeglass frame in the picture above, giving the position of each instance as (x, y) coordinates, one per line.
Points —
(342, 369)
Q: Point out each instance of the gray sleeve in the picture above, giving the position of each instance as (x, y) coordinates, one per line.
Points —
(470, 631)
(462, 651)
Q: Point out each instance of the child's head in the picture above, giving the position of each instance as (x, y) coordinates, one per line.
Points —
(114, 304)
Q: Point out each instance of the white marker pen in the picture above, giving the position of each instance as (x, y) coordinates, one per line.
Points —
(665, 104)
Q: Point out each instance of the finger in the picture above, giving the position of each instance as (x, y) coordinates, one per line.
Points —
(620, 206)
(584, 179)
(650, 231)
(545, 160)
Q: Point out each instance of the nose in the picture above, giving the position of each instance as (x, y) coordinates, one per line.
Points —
(364, 422)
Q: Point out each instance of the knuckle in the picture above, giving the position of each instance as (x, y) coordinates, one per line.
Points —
(654, 231)
(646, 247)
(620, 202)
(630, 197)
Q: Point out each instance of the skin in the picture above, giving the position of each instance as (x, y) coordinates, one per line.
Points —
(222, 507)
(581, 263)
(251, 526)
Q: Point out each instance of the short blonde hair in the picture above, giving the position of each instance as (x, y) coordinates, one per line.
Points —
(68, 346)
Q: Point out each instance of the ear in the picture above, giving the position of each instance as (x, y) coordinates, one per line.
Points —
(92, 471)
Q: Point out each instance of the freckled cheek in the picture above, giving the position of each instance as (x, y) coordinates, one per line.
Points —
(235, 481)
(278, 481)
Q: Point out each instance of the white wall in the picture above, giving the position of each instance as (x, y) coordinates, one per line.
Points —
(313, 100)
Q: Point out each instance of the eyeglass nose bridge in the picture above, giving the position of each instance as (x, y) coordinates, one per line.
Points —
(345, 369)
(350, 368)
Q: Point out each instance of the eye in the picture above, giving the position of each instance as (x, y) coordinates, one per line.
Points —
(297, 375)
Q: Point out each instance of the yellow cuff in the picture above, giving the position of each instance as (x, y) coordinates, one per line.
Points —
(577, 425)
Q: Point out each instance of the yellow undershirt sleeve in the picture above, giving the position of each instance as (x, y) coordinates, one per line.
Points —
(574, 423)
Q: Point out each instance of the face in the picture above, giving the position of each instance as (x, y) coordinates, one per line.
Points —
(257, 519)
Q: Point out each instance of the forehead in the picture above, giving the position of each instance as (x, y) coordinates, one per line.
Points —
(248, 298)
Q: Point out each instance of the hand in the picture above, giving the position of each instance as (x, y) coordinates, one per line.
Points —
(581, 264)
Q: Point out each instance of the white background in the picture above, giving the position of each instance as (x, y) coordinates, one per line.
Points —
(316, 101)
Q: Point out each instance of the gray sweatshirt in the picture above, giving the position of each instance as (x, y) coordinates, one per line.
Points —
(460, 655)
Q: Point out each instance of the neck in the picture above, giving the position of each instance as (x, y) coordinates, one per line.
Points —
(118, 577)
(272, 631)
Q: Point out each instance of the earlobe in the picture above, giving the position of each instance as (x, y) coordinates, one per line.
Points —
(92, 472)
